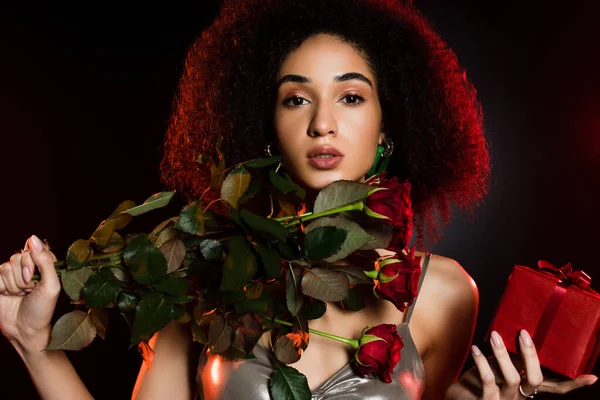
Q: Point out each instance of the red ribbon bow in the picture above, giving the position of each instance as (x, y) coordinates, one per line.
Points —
(567, 275)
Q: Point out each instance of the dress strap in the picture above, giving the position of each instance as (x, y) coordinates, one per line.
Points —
(409, 312)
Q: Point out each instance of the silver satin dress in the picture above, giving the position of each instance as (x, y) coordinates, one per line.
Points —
(249, 380)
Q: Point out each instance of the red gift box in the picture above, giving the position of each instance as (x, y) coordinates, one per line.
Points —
(558, 309)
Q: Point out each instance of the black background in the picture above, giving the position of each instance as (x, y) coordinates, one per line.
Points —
(86, 91)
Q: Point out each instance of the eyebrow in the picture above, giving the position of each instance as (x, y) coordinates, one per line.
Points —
(349, 76)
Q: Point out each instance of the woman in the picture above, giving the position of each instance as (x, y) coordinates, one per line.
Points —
(322, 84)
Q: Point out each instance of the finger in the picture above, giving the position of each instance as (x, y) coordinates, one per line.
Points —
(19, 272)
(488, 379)
(511, 376)
(533, 370)
(27, 264)
(49, 283)
(3, 289)
(6, 272)
(562, 387)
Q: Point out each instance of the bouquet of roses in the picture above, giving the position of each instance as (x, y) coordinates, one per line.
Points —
(237, 274)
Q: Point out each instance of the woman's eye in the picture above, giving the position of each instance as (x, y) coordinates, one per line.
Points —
(353, 99)
(294, 101)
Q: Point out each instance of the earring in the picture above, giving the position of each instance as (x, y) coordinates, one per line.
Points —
(380, 165)
(268, 149)
(389, 147)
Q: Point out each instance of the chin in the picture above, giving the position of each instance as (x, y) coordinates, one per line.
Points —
(319, 179)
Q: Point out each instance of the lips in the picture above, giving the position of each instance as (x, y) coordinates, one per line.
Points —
(325, 163)
(323, 150)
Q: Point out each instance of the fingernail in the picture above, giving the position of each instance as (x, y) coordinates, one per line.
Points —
(591, 380)
(525, 338)
(26, 275)
(497, 340)
(475, 350)
(28, 290)
(36, 243)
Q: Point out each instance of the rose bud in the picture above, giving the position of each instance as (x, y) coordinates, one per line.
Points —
(397, 279)
(379, 351)
(390, 203)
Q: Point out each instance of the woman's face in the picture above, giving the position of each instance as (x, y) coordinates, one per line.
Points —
(327, 114)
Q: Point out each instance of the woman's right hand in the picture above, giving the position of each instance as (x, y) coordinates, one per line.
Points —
(26, 308)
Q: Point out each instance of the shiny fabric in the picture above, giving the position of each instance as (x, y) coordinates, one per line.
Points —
(225, 380)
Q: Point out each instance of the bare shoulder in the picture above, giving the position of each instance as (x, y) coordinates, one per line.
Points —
(447, 303)
(449, 280)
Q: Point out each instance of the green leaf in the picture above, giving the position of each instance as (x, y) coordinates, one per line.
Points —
(160, 227)
(122, 220)
(241, 348)
(211, 249)
(289, 250)
(169, 233)
(325, 284)
(287, 383)
(174, 252)
(235, 185)
(300, 192)
(100, 290)
(198, 333)
(286, 351)
(73, 331)
(262, 224)
(173, 286)
(253, 188)
(149, 264)
(381, 235)
(103, 233)
(73, 281)
(340, 193)
(191, 219)
(293, 293)
(220, 335)
(152, 314)
(235, 217)
(354, 301)
(269, 259)
(157, 200)
(121, 274)
(355, 275)
(127, 302)
(239, 266)
(178, 313)
(313, 309)
(324, 241)
(258, 306)
(355, 236)
(282, 184)
(262, 162)
(79, 254)
(115, 243)
(134, 243)
(99, 317)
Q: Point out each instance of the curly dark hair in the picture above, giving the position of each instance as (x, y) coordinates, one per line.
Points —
(429, 108)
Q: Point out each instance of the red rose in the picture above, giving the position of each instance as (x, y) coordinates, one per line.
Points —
(379, 351)
(390, 203)
(398, 279)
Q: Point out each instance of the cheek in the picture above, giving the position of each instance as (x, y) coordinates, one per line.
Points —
(287, 130)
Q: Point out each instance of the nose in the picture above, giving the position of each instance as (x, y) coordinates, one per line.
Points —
(323, 122)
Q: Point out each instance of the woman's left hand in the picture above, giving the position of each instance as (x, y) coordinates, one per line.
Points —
(499, 378)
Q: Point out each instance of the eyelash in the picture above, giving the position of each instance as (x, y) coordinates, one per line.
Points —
(287, 104)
